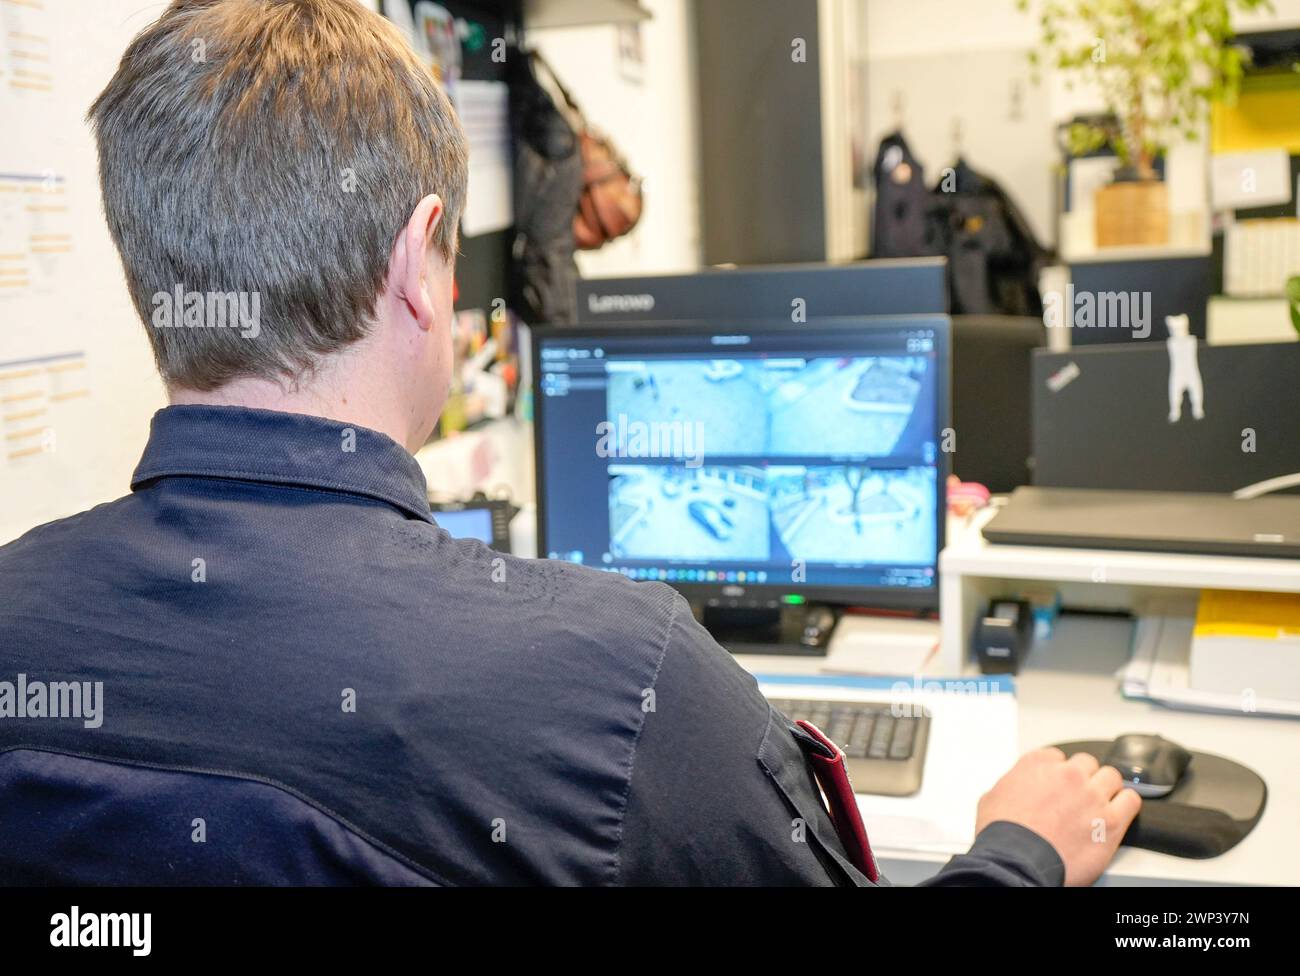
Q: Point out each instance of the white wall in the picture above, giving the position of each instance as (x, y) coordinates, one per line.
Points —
(926, 27)
(1004, 121)
(651, 122)
(1286, 13)
(81, 304)
(922, 27)
(952, 61)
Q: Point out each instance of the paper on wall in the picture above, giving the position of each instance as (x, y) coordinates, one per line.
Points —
(484, 114)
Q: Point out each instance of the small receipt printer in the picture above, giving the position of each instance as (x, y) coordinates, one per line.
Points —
(1003, 635)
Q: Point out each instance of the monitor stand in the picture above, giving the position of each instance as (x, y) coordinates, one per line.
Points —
(803, 630)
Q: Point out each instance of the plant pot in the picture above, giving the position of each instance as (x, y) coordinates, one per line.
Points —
(1132, 212)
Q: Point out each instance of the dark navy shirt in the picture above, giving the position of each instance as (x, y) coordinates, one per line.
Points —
(273, 601)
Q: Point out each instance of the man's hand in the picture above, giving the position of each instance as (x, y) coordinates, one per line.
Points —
(1075, 804)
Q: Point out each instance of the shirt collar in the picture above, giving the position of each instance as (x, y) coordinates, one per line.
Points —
(282, 449)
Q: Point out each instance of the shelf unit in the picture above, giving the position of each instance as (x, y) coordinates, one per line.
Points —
(973, 571)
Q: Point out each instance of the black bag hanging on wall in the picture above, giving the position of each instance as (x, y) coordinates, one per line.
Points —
(547, 184)
(904, 224)
(993, 256)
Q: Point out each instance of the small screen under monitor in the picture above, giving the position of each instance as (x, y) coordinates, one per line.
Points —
(800, 457)
(466, 523)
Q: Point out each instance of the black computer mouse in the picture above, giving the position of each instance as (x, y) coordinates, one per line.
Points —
(1149, 764)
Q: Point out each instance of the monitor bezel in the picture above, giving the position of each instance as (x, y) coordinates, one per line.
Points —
(758, 594)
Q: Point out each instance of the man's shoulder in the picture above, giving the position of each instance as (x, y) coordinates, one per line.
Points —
(50, 539)
(599, 616)
(620, 602)
(647, 607)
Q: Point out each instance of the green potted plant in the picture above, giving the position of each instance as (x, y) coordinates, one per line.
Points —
(1158, 64)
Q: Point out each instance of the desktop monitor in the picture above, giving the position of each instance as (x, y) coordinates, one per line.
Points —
(898, 286)
(758, 463)
(990, 353)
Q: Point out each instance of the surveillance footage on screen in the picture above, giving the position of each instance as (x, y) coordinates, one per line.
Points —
(785, 407)
(793, 461)
(845, 514)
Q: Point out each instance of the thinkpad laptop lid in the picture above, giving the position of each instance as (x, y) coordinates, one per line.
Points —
(1151, 521)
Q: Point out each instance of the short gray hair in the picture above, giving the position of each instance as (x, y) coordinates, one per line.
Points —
(271, 147)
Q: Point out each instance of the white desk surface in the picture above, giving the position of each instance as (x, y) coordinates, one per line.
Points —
(1061, 701)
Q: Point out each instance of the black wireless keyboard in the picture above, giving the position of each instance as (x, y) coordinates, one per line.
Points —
(884, 753)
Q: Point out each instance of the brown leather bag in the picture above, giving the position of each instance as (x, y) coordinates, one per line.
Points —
(611, 200)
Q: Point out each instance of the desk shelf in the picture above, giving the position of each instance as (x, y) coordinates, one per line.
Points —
(973, 571)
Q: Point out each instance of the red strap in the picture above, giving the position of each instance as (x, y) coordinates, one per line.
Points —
(833, 778)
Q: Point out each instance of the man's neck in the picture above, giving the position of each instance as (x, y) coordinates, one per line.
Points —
(348, 403)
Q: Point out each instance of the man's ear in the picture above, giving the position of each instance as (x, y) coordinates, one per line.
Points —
(410, 264)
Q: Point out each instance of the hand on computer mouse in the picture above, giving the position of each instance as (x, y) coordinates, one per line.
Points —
(1077, 805)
